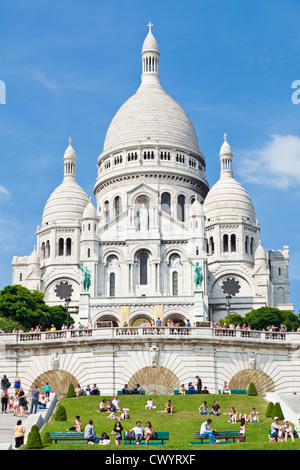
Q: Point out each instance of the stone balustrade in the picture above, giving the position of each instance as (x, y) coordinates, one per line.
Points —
(117, 332)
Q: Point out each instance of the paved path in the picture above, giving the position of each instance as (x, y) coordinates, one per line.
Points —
(7, 426)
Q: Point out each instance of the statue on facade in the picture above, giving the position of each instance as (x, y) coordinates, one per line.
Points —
(144, 225)
(252, 362)
(198, 276)
(154, 355)
(55, 361)
(86, 278)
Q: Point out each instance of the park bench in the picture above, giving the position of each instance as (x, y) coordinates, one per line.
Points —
(187, 392)
(218, 435)
(235, 392)
(295, 434)
(68, 437)
(120, 392)
(160, 439)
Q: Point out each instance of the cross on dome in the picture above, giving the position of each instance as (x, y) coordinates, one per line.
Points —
(225, 137)
(150, 26)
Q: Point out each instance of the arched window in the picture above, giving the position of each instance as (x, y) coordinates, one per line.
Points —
(225, 243)
(106, 211)
(47, 249)
(143, 270)
(252, 246)
(117, 206)
(175, 283)
(211, 245)
(166, 203)
(112, 285)
(43, 250)
(181, 208)
(60, 247)
(233, 243)
(247, 244)
(68, 247)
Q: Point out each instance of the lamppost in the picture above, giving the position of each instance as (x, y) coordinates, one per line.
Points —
(67, 301)
(228, 297)
(230, 287)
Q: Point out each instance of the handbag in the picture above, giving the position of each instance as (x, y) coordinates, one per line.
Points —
(130, 434)
(154, 435)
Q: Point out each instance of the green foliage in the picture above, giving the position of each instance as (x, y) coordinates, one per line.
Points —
(46, 438)
(34, 440)
(270, 410)
(264, 317)
(71, 391)
(61, 414)
(277, 411)
(28, 309)
(252, 390)
(8, 325)
(234, 318)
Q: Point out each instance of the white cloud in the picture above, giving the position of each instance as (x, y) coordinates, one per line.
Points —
(277, 163)
(4, 192)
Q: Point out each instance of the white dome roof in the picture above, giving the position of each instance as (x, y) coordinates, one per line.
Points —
(68, 200)
(227, 198)
(90, 211)
(66, 203)
(150, 116)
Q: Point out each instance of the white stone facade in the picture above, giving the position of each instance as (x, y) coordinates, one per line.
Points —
(155, 218)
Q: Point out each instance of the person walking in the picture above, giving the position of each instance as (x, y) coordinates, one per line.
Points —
(35, 394)
(19, 434)
(4, 400)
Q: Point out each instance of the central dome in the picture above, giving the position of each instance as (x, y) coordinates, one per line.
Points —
(150, 116)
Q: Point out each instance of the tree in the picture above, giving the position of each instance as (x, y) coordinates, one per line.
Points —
(252, 390)
(71, 391)
(234, 318)
(34, 440)
(270, 410)
(277, 411)
(29, 309)
(61, 414)
(264, 317)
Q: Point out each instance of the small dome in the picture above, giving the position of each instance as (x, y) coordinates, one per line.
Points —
(90, 211)
(260, 253)
(197, 209)
(150, 44)
(66, 203)
(227, 199)
(34, 257)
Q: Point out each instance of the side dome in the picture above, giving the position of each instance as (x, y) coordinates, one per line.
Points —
(227, 198)
(68, 200)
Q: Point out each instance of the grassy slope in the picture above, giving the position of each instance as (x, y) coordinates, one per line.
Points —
(181, 425)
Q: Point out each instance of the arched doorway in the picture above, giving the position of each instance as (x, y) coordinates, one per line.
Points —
(176, 318)
(59, 381)
(263, 383)
(107, 321)
(155, 380)
(138, 320)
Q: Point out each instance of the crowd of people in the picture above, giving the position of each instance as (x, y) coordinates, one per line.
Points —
(16, 402)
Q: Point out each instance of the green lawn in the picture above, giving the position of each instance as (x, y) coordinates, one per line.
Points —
(180, 425)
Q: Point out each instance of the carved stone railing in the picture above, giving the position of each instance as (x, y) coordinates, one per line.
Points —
(110, 333)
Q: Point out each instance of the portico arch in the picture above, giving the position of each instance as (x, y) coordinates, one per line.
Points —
(155, 380)
(59, 381)
(263, 383)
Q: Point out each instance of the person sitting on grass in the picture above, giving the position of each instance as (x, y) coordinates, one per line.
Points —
(233, 415)
(104, 439)
(242, 437)
(204, 409)
(149, 405)
(77, 425)
(215, 409)
(103, 406)
(254, 416)
(276, 431)
(206, 431)
(169, 408)
(297, 428)
(287, 431)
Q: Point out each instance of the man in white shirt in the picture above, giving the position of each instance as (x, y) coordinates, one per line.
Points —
(206, 431)
(139, 432)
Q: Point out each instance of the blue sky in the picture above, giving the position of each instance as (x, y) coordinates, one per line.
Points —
(69, 65)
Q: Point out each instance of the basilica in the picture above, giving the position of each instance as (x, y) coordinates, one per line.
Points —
(159, 242)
